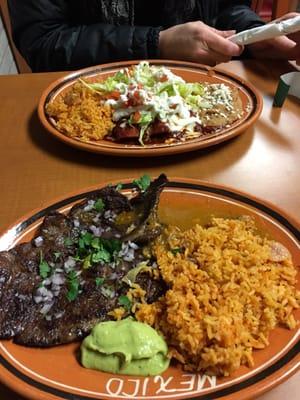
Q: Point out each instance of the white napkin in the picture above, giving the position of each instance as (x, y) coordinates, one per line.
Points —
(268, 31)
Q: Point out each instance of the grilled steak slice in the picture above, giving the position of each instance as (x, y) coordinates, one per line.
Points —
(55, 288)
(18, 283)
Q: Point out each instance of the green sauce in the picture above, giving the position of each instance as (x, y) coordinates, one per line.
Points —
(125, 347)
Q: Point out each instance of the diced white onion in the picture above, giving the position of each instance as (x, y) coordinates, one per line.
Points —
(59, 314)
(69, 263)
(58, 279)
(38, 241)
(38, 299)
(46, 308)
(133, 245)
(89, 206)
(76, 223)
(96, 230)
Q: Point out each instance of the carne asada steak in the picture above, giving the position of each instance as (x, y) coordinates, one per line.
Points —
(54, 289)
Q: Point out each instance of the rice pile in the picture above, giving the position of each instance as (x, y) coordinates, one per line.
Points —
(229, 287)
(80, 114)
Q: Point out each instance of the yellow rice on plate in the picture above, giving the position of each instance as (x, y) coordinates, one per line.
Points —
(229, 287)
(81, 114)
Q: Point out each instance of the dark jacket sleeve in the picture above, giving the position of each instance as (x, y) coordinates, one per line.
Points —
(236, 15)
(47, 38)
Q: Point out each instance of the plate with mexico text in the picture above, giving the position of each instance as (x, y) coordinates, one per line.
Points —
(56, 372)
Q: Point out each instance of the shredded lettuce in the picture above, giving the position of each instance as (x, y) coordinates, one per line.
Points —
(143, 74)
(146, 118)
(111, 83)
(108, 85)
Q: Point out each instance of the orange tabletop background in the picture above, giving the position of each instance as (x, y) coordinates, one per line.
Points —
(36, 168)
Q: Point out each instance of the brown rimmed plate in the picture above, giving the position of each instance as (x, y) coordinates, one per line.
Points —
(54, 373)
(191, 72)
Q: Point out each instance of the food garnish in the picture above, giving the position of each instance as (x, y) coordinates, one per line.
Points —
(143, 182)
(43, 267)
(73, 285)
(99, 281)
(125, 302)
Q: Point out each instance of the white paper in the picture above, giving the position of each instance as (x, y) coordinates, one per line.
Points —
(292, 79)
(267, 31)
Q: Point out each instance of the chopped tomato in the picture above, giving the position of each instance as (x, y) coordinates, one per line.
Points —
(115, 95)
(135, 99)
(136, 117)
(136, 94)
(163, 78)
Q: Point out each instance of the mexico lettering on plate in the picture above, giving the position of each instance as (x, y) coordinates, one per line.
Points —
(159, 385)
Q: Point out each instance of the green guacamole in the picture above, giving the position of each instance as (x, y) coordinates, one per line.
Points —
(125, 347)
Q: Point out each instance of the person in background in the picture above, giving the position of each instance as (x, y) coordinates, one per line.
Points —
(71, 34)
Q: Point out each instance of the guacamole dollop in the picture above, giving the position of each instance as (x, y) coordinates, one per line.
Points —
(125, 347)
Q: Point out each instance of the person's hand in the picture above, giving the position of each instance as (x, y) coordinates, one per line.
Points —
(195, 41)
(282, 47)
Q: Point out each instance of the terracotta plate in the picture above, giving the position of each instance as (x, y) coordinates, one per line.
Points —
(55, 373)
(251, 99)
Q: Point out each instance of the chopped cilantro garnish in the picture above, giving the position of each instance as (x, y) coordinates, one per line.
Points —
(99, 281)
(87, 262)
(112, 245)
(99, 205)
(77, 256)
(68, 242)
(125, 302)
(96, 243)
(177, 250)
(43, 267)
(81, 243)
(73, 285)
(92, 249)
(57, 254)
(143, 182)
(105, 249)
(87, 238)
(119, 186)
(101, 255)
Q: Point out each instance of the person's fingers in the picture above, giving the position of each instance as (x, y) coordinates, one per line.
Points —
(211, 57)
(224, 34)
(295, 37)
(287, 48)
(286, 16)
(292, 41)
(220, 44)
(277, 48)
